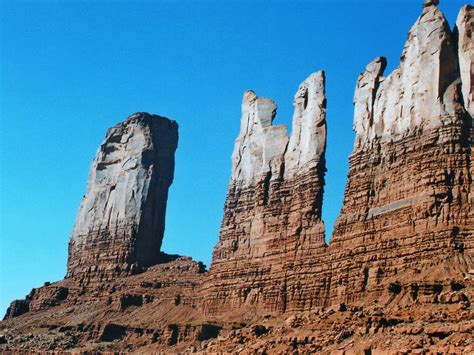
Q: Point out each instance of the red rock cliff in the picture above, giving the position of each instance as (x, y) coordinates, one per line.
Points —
(408, 201)
(272, 231)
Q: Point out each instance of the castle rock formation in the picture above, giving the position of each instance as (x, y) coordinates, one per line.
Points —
(272, 230)
(120, 224)
(408, 201)
(397, 276)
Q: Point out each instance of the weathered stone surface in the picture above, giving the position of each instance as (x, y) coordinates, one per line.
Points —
(411, 98)
(429, 311)
(272, 228)
(408, 201)
(307, 143)
(397, 276)
(46, 297)
(364, 98)
(465, 30)
(120, 223)
(38, 299)
(17, 308)
(260, 147)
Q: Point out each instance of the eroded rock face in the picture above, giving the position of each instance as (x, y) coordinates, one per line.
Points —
(465, 29)
(272, 229)
(398, 275)
(120, 224)
(260, 147)
(408, 201)
(17, 308)
(411, 98)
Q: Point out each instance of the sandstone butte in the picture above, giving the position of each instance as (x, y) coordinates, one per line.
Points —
(397, 276)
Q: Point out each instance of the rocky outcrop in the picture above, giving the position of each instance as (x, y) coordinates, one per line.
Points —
(408, 200)
(17, 308)
(465, 29)
(37, 300)
(397, 276)
(272, 232)
(121, 220)
(411, 98)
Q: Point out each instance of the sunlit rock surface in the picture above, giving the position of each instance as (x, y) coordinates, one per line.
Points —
(272, 229)
(465, 30)
(120, 224)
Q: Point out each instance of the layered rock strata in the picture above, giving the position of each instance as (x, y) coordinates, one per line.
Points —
(121, 220)
(408, 201)
(272, 233)
(398, 275)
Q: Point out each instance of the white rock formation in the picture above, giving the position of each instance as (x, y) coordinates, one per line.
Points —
(308, 137)
(364, 97)
(264, 151)
(465, 28)
(260, 147)
(122, 214)
(411, 98)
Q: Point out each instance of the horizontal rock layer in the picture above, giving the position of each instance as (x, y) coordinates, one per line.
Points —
(408, 205)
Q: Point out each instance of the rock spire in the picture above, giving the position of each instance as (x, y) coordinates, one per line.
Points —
(272, 223)
(465, 30)
(120, 224)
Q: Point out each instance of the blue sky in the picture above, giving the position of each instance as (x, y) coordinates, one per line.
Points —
(72, 69)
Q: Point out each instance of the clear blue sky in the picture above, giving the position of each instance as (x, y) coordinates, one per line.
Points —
(72, 69)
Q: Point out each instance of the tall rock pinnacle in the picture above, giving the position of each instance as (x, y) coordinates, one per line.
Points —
(120, 223)
(308, 137)
(272, 223)
(260, 146)
(465, 30)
